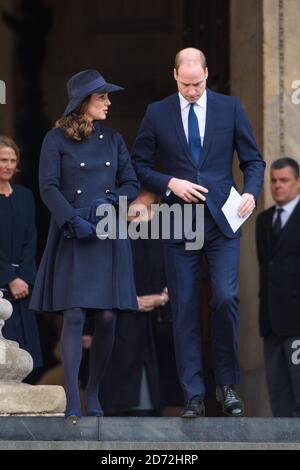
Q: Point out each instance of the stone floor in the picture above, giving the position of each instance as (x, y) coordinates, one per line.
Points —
(144, 446)
(38, 432)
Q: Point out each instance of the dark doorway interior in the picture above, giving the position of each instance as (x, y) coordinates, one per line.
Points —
(132, 43)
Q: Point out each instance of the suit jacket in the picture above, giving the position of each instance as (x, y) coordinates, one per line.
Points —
(227, 129)
(279, 309)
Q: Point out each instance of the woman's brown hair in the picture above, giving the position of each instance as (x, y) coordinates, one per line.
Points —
(76, 125)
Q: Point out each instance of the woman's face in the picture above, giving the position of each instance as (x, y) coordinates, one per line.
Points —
(8, 163)
(97, 107)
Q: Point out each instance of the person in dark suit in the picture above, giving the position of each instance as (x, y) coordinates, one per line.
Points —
(278, 250)
(84, 165)
(196, 132)
(17, 252)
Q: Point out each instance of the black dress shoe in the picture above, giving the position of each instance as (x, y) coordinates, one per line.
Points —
(231, 403)
(194, 408)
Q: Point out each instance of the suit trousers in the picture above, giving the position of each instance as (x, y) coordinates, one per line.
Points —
(184, 272)
(282, 363)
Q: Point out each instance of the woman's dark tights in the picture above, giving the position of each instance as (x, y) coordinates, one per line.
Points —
(71, 353)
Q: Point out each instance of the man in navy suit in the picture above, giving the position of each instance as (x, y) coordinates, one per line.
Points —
(278, 250)
(195, 132)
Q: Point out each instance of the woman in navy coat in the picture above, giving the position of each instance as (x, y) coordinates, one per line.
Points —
(82, 165)
(17, 252)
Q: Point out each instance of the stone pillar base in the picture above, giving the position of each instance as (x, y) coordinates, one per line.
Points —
(25, 399)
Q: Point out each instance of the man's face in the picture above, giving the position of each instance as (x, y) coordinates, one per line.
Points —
(191, 81)
(285, 186)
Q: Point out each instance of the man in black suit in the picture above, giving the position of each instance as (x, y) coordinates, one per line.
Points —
(278, 248)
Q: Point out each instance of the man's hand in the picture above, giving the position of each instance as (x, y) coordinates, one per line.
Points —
(87, 341)
(147, 303)
(189, 192)
(247, 205)
(19, 288)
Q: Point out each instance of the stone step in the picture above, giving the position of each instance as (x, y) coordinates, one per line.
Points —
(158, 431)
(144, 446)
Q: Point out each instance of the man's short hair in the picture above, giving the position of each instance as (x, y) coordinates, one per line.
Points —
(285, 162)
(201, 58)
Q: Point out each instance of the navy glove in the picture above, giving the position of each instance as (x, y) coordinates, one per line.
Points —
(111, 198)
(83, 230)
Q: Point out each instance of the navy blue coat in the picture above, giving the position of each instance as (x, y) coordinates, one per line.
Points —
(227, 129)
(17, 246)
(96, 274)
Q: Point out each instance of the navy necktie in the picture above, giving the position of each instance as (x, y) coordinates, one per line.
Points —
(194, 135)
(277, 226)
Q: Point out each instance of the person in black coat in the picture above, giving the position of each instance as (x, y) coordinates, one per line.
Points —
(278, 249)
(17, 252)
(84, 165)
(142, 376)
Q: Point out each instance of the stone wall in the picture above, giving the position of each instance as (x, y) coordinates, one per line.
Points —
(264, 65)
(247, 84)
(281, 67)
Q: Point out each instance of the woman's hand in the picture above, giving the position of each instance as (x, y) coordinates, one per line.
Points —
(19, 288)
(83, 229)
(110, 198)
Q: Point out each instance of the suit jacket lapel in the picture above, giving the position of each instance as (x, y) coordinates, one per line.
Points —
(209, 126)
(268, 244)
(177, 121)
(294, 217)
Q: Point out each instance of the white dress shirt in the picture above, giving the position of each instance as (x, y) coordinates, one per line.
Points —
(200, 111)
(287, 210)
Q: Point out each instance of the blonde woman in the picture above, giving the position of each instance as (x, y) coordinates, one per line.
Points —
(17, 252)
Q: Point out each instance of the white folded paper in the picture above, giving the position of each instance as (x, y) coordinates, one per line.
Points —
(230, 210)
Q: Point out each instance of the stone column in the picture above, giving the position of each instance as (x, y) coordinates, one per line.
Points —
(264, 66)
(247, 83)
(281, 71)
(17, 398)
